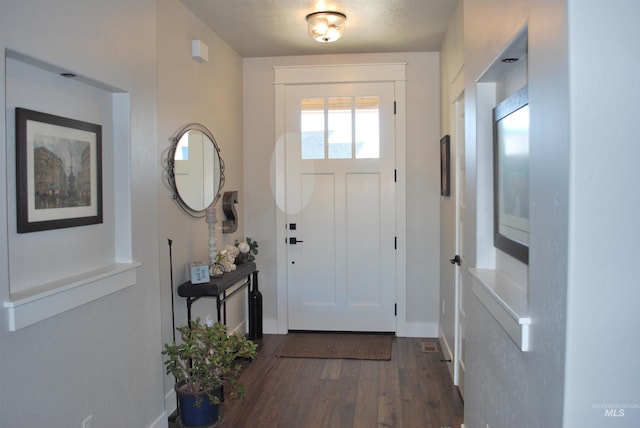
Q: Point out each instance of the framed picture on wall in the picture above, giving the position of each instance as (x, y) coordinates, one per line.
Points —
(511, 175)
(445, 166)
(58, 172)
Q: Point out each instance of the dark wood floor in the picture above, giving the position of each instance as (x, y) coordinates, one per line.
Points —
(414, 389)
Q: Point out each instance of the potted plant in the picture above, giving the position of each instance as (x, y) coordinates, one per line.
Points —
(205, 363)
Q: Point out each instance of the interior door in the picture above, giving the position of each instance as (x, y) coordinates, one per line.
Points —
(460, 216)
(340, 195)
(451, 252)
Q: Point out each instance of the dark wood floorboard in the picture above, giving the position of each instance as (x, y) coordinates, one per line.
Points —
(413, 389)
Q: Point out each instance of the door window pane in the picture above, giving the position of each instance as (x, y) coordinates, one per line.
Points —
(367, 135)
(312, 128)
(340, 121)
(340, 128)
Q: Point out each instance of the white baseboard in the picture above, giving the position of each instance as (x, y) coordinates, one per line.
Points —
(161, 422)
(422, 329)
(240, 328)
(269, 326)
(447, 351)
(170, 404)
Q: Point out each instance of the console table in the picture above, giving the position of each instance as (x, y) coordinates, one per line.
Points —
(217, 287)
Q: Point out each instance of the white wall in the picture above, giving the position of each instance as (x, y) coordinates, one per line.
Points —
(423, 172)
(505, 387)
(603, 288)
(579, 292)
(101, 358)
(209, 93)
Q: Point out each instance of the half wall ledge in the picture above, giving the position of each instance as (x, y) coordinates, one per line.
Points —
(506, 301)
(48, 300)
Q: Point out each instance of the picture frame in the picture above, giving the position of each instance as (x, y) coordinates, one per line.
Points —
(58, 172)
(445, 166)
(511, 175)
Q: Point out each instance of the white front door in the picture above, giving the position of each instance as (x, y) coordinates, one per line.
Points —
(340, 199)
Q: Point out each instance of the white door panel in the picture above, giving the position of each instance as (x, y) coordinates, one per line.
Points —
(340, 197)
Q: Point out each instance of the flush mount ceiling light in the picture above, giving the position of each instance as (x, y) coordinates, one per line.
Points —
(326, 27)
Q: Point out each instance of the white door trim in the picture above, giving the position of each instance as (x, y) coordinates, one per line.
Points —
(339, 73)
(395, 72)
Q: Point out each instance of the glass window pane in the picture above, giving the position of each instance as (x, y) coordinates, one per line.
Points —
(340, 135)
(312, 128)
(367, 140)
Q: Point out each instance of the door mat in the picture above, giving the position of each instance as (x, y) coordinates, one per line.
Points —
(337, 346)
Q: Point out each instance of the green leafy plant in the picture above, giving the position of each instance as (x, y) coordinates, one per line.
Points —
(206, 358)
(248, 249)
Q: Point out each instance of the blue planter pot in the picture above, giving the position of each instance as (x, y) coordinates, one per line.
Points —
(196, 416)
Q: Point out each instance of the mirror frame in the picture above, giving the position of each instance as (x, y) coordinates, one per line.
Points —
(175, 139)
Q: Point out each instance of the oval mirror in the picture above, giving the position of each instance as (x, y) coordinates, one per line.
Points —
(196, 170)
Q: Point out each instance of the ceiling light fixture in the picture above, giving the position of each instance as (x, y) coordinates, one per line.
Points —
(326, 27)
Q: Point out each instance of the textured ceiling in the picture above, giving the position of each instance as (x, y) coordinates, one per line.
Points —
(260, 28)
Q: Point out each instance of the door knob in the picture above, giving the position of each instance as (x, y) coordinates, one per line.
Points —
(456, 260)
(294, 241)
